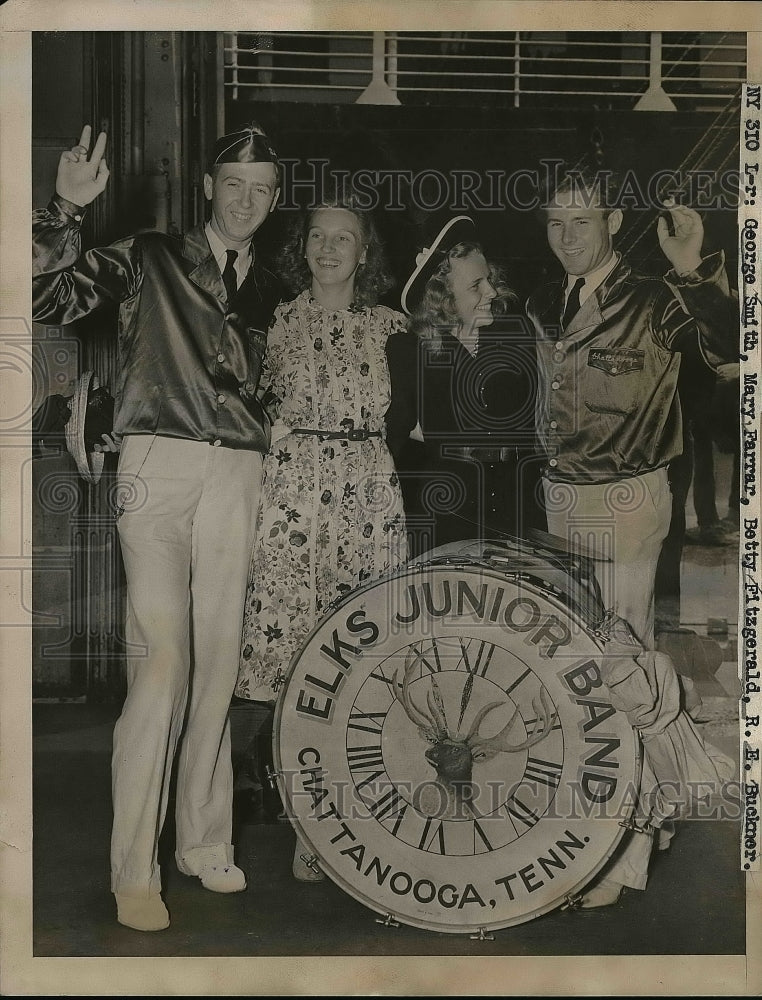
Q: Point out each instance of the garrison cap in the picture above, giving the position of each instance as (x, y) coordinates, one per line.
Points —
(246, 145)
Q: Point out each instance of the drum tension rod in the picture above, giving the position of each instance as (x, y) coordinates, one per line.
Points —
(388, 921)
(573, 901)
(482, 935)
(272, 776)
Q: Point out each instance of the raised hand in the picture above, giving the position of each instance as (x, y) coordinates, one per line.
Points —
(81, 179)
(683, 250)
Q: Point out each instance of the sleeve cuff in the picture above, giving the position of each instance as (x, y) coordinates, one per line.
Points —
(709, 268)
(66, 210)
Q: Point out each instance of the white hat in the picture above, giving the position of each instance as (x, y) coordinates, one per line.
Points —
(460, 229)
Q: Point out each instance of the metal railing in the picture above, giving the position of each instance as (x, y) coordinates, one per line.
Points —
(675, 70)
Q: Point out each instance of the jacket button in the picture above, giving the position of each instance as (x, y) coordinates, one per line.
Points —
(221, 398)
(220, 358)
(553, 463)
(217, 443)
(554, 385)
(554, 424)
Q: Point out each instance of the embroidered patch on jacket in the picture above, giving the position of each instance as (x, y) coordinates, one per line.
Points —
(617, 361)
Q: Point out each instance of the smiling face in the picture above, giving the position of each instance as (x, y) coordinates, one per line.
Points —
(334, 248)
(242, 196)
(580, 236)
(472, 291)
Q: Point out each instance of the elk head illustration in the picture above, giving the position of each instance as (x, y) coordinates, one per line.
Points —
(453, 755)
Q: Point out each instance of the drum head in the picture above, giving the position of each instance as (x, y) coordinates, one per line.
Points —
(448, 750)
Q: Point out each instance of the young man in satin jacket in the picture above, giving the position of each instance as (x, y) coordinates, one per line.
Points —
(193, 316)
(608, 413)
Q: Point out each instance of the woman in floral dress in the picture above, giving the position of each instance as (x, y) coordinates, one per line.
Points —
(331, 516)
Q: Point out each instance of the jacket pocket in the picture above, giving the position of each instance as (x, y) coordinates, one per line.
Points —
(613, 379)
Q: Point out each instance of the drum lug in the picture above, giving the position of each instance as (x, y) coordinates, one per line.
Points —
(482, 935)
(629, 824)
(572, 901)
(388, 921)
(311, 861)
(272, 776)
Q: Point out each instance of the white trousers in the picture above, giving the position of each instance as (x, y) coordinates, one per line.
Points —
(626, 521)
(186, 536)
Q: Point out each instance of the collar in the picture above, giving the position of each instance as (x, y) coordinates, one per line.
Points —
(458, 350)
(593, 280)
(219, 251)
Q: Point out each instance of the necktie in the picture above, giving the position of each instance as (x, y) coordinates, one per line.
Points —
(572, 303)
(229, 276)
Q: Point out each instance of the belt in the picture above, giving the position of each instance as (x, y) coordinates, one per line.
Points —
(489, 455)
(350, 433)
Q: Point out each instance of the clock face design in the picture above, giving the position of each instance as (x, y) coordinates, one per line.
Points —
(455, 747)
(448, 750)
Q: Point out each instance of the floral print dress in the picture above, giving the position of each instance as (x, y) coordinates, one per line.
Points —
(331, 516)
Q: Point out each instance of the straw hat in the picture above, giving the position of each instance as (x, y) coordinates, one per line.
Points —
(92, 411)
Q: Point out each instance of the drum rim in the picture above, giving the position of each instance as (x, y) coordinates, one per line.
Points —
(349, 888)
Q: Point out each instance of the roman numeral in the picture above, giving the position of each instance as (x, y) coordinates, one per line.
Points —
(365, 758)
(546, 771)
(518, 681)
(483, 838)
(518, 811)
(374, 721)
(432, 668)
(387, 806)
(484, 652)
(380, 676)
(433, 833)
(531, 723)
(398, 820)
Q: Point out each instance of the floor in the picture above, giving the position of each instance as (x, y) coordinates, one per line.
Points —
(694, 903)
(276, 915)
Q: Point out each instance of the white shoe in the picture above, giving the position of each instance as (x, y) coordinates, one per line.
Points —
(211, 865)
(141, 913)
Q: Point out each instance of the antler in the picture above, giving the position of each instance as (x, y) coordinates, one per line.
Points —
(485, 749)
(432, 726)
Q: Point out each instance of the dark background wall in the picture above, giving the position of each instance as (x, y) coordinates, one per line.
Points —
(501, 142)
(160, 96)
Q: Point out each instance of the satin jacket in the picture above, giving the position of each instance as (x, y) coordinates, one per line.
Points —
(607, 405)
(189, 362)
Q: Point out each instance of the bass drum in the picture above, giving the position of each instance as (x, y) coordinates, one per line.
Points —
(445, 744)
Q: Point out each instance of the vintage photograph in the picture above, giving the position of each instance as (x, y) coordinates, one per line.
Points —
(389, 499)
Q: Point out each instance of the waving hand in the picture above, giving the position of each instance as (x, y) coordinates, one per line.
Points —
(81, 178)
(683, 249)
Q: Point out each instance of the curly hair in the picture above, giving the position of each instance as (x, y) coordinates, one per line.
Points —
(372, 279)
(435, 314)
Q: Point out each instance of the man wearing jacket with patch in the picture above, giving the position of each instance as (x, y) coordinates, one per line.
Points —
(608, 413)
(193, 316)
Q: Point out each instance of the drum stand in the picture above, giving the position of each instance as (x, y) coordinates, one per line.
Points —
(482, 935)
